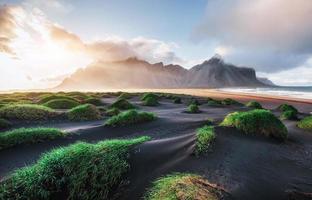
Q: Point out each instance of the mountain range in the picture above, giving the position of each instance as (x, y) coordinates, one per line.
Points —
(136, 73)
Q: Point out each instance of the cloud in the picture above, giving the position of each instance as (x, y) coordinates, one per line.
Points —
(116, 48)
(260, 27)
(7, 29)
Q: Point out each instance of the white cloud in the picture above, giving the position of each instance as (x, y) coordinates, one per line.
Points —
(276, 33)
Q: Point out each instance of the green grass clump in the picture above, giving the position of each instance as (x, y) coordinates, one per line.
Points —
(112, 112)
(122, 104)
(4, 124)
(204, 138)
(49, 97)
(26, 112)
(306, 123)
(257, 121)
(181, 186)
(177, 100)
(287, 107)
(94, 101)
(150, 101)
(130, 117)
(193, 108)
(214, 102)
(254, 104)
(79, 171)
(125, 95)
(61, 104)
(149, 95)
(85, 112)
(229, 101)
(28, 135)
(289, 114)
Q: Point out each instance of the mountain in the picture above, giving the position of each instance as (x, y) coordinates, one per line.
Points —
(135, 73)
(130, 73)
(216, 73)
(266, 81)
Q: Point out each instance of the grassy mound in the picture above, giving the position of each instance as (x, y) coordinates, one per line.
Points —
(28, 135)
(61, 104)
(177, 100)
(193, 108)
(4, 124)
(214, 102)
(26, 112)
(78, 95)
(130, 117)
(183, 187)
(254, 104)
(306, 123)
(204, 137)
(112, 112)
(150, 101)
(79, 171)
(94, 101)
(122, 104)
(229, 101)
(84, 112)
(125, 95)
(149, 95)
(260, 121)
(289, 114)
(286, 107)
(49, 97)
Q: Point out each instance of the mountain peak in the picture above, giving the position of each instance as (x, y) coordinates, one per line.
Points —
(216, 59)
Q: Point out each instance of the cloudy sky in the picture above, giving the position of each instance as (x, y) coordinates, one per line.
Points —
(43, 41)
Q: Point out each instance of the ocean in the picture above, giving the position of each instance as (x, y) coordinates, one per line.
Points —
(304, 92)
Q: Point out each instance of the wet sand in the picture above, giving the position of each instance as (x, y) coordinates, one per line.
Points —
(248, 167)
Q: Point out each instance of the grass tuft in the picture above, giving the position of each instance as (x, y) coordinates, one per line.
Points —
(257, 121)
(193, 108)
(214, 102)
(150, 101)
(130, 117)
(287, 107)
(229, 101)
(94, 101)
(112, 112)
(306, 123)
(28, 135)
(48, 97)
(79, 171)
(182, 186)
(254, 104)
(85, 112)
(26, 112)
(61, 104)
(289, 114)
(204, 138)
(125, 95)
(149, 95)
(122, 104)
(177, 100)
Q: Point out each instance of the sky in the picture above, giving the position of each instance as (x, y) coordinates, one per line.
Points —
(44, 41)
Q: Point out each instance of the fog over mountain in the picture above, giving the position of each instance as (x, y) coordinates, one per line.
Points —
(135, 73)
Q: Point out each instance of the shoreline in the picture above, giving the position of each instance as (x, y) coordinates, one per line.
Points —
(269, 101)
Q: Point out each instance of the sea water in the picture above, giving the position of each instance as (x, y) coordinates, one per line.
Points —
(304, 92)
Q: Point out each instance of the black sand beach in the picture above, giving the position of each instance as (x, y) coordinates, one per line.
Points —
(247, 167)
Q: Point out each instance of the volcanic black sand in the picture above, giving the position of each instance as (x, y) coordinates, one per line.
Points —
(248, 167)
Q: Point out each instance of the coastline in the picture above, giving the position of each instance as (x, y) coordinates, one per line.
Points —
(268, 101)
